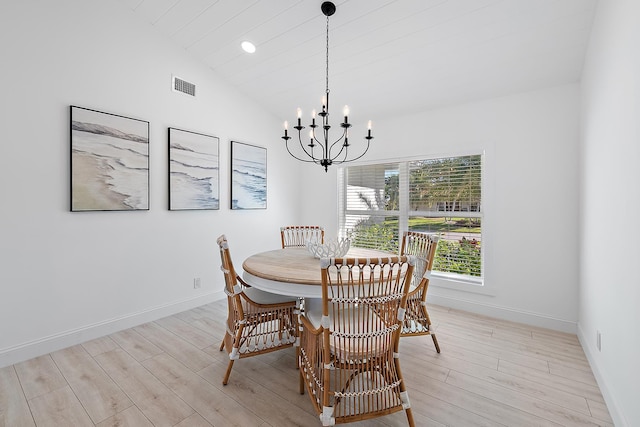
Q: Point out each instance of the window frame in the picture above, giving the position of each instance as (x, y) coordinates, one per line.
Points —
(454, 280)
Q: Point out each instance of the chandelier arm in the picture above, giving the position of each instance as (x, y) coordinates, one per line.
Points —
(344, 133)
(355, 158)
(314, 160)
(310, 155)
(321, 144)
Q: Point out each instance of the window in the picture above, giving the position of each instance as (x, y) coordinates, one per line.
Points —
(378, 202)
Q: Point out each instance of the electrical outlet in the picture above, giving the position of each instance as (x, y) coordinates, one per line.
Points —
(196, 283)
(598, 340)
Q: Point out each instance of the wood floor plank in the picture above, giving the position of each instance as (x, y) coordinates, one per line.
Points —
(265, 401)
(466, 354)
(421, 359)
(60, 407)
(194, 420)
(99, 346)
(483, 405)
(567, 370)
(130, 417)
(174, 345)
(490, 373)
(569, 385)
(491, 348)
(538, 410)
(556, 337)
(207, 399)
(135, 344)
(99, 395)
(39, 376)
(196, 336)
(159, 404)
(14, 409)
(445, 412)
(277, 374)
(522, 385)
(599, 411)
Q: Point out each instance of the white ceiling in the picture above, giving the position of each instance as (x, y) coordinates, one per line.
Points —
(386, 57)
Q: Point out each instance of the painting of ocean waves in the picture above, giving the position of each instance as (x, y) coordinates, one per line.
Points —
(193, 171)
(109, 161)
(248, 176)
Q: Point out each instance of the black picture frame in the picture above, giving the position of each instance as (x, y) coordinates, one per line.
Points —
(109, 161)
(248, 176)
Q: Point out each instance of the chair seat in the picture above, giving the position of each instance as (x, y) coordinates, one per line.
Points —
(346, 349)
(262, 297)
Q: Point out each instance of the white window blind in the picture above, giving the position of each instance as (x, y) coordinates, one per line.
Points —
(371, 213)
(442, 196)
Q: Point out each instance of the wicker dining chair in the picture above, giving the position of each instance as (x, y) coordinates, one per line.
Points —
(416, 320)
(349, 350)
(297, 235)
(258, 322)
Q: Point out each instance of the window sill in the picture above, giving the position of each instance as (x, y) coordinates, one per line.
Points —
(459, 283)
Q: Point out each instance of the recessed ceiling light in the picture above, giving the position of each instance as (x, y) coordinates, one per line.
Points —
(248, 47)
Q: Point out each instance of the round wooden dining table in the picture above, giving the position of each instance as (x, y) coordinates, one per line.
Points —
(293, 271)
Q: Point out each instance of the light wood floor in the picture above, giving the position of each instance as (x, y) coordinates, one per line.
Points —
(169, 373)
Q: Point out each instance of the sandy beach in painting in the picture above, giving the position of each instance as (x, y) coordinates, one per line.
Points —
(109, 162)
(90, 189)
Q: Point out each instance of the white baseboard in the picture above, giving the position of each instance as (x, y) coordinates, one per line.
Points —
(505, 313)
(615, 412)
(29, 350)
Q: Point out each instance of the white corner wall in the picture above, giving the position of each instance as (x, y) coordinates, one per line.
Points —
(68, 277)
(610, 202)
(530, 198)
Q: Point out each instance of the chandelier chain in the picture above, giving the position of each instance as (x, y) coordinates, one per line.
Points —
(327, 57)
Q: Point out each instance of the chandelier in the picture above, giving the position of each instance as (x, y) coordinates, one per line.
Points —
(328, 153)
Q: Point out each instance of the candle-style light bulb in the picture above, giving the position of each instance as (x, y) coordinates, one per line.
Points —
(286, 126)
(311, 144)
(369, 125)
(299, 117)
(313, 117)
(369, 129)
(324, 102)
(345, 111)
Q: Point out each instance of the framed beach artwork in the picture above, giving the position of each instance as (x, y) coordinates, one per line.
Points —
(193, 171)
(109, 162)
(248, 176)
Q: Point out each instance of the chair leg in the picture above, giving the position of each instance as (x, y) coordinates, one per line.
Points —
(435, 342)
(301, 381)
(226, 375)
(410, 417)
(222, 345)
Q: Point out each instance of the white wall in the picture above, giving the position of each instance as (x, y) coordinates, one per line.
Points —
(530, 198)
(610, 202)
(67, 277)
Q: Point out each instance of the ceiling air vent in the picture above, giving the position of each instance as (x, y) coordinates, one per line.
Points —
(183, 86)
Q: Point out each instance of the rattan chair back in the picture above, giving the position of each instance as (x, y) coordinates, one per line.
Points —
(349, 362)
(423, 246)
(257, 322)
(298, 235)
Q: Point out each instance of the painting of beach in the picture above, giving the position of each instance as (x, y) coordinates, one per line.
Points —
(193, 171)
(248, 176)
(109, 162)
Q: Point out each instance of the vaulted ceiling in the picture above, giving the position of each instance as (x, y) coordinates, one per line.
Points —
(386, 57)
